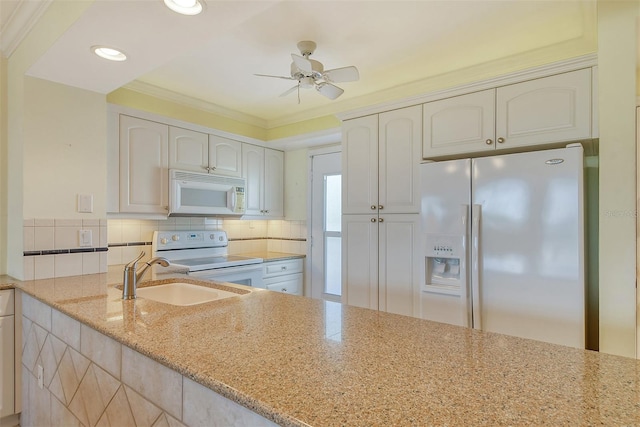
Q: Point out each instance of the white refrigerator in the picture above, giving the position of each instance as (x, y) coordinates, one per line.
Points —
(503, 244)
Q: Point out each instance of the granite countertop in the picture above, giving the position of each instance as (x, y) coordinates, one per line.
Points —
(300, 361)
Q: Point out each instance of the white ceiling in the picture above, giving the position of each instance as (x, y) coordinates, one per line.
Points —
(212, 57)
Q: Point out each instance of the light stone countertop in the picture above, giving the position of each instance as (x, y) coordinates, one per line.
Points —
(300, 361)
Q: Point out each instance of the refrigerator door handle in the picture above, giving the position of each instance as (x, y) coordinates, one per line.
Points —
(475, 264)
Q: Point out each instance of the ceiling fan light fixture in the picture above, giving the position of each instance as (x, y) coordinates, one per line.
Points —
(109, 53)
(185, 7)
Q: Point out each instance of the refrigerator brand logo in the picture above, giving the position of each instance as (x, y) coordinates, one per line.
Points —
(554, 161)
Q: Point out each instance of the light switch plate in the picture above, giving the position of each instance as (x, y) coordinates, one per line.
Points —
(85, 238)
(85, 203)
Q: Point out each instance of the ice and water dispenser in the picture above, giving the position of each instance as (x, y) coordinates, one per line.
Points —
(444, 264)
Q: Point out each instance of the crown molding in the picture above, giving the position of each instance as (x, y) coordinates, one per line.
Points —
(572, 64)
(188, 101)
(311, 139)
(22, 20)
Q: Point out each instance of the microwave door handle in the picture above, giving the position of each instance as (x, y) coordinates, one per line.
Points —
(233, 196)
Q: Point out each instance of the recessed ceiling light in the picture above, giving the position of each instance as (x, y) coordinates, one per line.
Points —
(185, 7)
(109, 53)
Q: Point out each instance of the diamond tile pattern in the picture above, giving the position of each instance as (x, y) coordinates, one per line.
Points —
(82, 393)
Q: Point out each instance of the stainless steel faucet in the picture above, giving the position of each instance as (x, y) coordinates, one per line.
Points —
(132, 276)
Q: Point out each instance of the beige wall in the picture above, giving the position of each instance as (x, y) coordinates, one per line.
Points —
(617, 39)
(64, 150)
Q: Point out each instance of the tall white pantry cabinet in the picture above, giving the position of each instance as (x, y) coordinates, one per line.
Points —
(380, 205)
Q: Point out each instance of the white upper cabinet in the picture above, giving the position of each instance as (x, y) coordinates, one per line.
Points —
(263, 169)
(551, 109)
(198, 152)
(273, 183)
(399, 142)
(144, 174)
(458, 125)
(380, 158)
(188, 150)
(225, 156)
(360, 165)
(547, 110)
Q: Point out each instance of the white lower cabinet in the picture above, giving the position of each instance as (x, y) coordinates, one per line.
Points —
(378, 266)
(7, 343)
(284, 276)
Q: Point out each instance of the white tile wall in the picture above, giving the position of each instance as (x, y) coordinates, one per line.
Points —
(43, 234)
(245, 235)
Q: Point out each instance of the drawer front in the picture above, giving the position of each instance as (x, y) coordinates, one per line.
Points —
(290, 284)
(6, 302)
(277, 268)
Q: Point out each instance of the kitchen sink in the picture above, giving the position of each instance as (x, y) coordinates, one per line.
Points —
(183, 294)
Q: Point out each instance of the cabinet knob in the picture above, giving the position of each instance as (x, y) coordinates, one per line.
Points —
(284, 267)
(373, 207)
(488, 142)
(380, 207)
(284, 289)
(500, 140)
(381, 220)
(373, 220)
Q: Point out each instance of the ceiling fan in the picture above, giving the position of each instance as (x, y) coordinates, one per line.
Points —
(310, 73)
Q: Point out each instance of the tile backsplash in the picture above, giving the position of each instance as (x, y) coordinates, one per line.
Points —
(53, 247)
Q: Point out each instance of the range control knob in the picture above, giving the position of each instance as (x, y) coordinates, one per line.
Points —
(212, 236)
(175, 237)
(164, 240)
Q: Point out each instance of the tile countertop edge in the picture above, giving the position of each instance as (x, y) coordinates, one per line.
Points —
(219, 387)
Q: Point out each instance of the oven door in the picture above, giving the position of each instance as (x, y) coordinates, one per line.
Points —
(248, 275)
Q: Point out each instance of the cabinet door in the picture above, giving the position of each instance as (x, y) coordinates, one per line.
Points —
(288, 284)
(273, 183)
(546, 110)
(144, 176)
(225, 156)
(462, 124)
(253, 172)
(400, 142)
(188, 150)
(360, 260)
(7, 366)
(360, 165)
(399, 273)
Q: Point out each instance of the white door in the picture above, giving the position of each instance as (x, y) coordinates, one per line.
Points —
(531, 258)
(326, 227)
(360, 260)
(399, 269)
(144, 171)
(400, 142)
(253, 172)
(273, 186)
(188, 150)
(225, 156)
(458, 125)
(360, 165)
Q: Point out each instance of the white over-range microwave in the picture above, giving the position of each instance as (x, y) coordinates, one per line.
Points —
(193, 193)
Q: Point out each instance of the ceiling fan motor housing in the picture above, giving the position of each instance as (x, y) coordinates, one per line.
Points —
(316, 66)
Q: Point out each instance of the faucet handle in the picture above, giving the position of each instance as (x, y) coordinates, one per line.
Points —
(133, 263)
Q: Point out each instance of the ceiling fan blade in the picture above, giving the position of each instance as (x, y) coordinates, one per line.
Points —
(341, 75)
(277, 77)
(302, 63)
(329, 90)
(290, 90)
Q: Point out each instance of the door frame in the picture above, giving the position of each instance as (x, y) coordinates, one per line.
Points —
(326, 149)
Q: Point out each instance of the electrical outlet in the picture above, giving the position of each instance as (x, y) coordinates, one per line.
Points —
(85, 238)
(40, 377)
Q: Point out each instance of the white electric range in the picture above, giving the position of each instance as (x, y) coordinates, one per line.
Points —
(205, 255)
